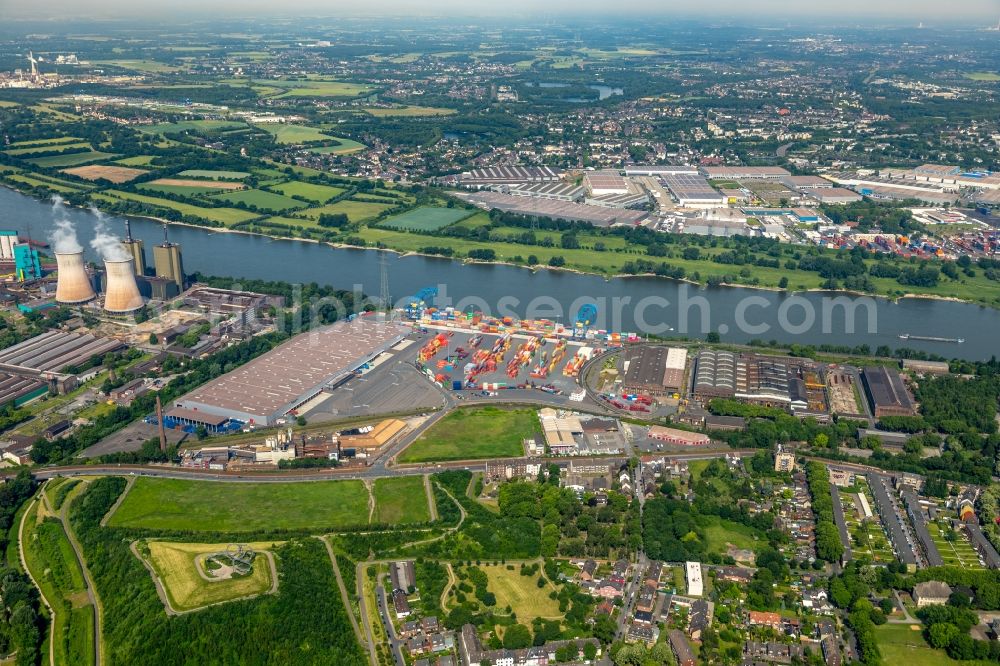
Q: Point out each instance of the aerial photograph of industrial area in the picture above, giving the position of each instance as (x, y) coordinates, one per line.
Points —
(518, 334)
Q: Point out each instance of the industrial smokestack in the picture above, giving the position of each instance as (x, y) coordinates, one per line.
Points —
(74, 283)
(122, 293)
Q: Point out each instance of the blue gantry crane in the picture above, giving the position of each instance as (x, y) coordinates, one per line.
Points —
(585, 319)
(420, 301)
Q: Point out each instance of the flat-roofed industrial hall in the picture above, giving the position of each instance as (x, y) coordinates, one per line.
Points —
(268, 387)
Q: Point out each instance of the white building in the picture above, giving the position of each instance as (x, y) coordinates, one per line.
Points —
(695, 586)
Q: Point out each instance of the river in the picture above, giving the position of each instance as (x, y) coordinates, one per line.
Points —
(639, 304)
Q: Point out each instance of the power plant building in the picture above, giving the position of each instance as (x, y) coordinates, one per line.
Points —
(167, 259)
(268, 387)
(121, 294)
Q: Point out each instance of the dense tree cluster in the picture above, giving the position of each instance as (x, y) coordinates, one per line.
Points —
(828, 545)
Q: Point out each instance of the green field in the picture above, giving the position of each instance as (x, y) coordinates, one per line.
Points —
(345, 147)
(138, 160)
(149, 66)
(41, 148)
(408, 111)
(521, 593)
(261, 199)
(227, 216)
(982, 76)
(719, 533)
(400, 500)
(294, 134)
(182, 190)
(957, 553)
(203, 126)
(475, 433)
(902, 644)
(72, 159)
(205, 506)
(426, 218)
(356, 211)
(214, 175)
(314, 88)
(35, 182)
(318, 193)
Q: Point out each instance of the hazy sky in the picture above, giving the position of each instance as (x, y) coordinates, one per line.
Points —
(906, 11)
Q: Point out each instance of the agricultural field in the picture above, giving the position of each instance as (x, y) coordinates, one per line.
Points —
(174, 504)
(27, 151)
(227, 216)
(214, 175)
(400, 501)
(426, 218)
(521, 593)
(474, 433)
(314, 88)
(408, 111)
(138, 160)
(115, 174)
(261, 199)
(905, 644)
(318, 193)
(72, 159)
(148, 66)
(177, 565)
(201, 126)
(30, 143)
(356, 211)
(345, 147)
(295, 134)
(38, 182)
(982, 76)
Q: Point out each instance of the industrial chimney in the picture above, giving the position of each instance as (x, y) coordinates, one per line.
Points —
(74, 283)
(122, 293)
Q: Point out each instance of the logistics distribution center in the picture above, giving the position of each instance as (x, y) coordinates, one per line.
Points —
(270, 386)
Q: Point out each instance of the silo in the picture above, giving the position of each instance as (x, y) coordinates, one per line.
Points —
(122, 293)
(73, 285)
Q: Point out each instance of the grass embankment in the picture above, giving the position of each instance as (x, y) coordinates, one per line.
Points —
(204, 506)
(176, 565)
(473, 433)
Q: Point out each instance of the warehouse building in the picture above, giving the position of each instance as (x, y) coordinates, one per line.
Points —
(678, 437)
(557, 210)
(744, 173)
(605, 182)
(16, 391)
(693, 191)
(661, 170)
(886, 392)
(270, 386)
(715, 374)
(831, 195)
(48, 356)
(557, 191)
(509, 175)
(655, 370)
(801, 182)
(630, 200)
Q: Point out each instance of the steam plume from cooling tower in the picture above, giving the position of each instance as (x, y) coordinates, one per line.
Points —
(63, 236)
(106, 243)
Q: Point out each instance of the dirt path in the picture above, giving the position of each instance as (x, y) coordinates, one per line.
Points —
(121, 498)
(92, 595)
(431, 504)
(24, 565)
(451, 584)
(371, 500)
(364, 640)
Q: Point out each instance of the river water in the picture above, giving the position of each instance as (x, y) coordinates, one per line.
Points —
(637, 304)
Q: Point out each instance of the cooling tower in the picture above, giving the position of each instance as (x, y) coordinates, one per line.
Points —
(122, 293)
(73, 285)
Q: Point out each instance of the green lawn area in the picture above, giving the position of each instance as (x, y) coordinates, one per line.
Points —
(959, 553)
(138, 160)
(356, 211)
(227, 216)
(72, 159)
(150, 66)
(214, 175)
(345, 147)
(203, 126)
(474, 433)
(205, 506)
(41, 148)
(982, 76)
(294, 134)
(315, 87)
(719, 532)
(313, 192)
(900, 644)
(183, 190)
(408, 111)
(521, 593)
(401, 500)
(426, 218)
(263, 200)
